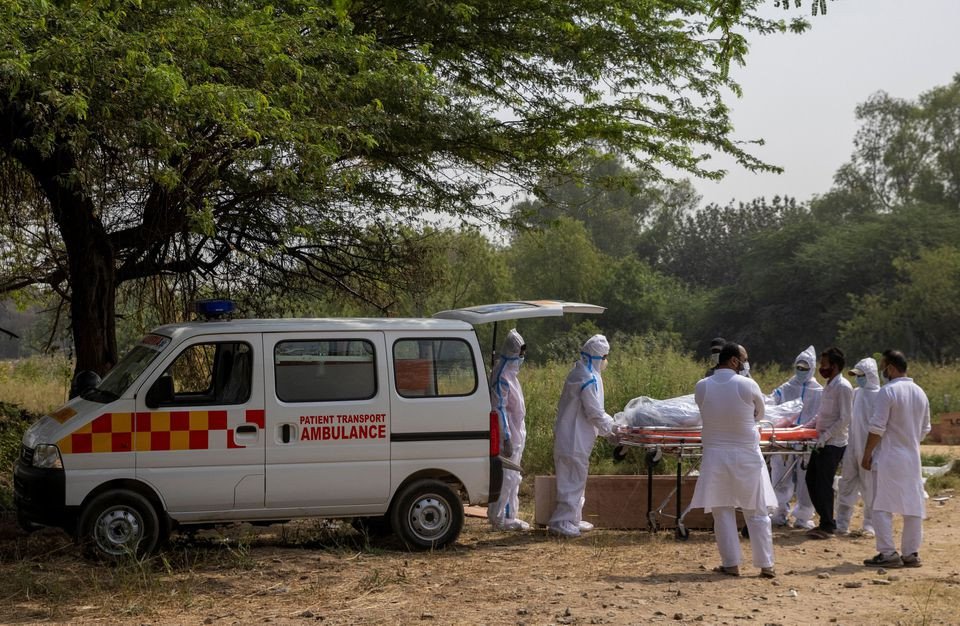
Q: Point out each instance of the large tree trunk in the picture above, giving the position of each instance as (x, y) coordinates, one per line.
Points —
(93, 299)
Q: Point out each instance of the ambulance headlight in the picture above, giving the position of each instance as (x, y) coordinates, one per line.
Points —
(47, 456)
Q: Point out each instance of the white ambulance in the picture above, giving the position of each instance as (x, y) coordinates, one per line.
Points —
(261, 420)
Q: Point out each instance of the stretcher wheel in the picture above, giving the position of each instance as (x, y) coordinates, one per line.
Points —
(619, 453)
(682, 532)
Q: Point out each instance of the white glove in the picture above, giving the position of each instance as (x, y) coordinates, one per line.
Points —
(612, 437)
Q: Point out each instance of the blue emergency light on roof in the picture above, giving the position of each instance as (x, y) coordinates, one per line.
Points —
(215, 308)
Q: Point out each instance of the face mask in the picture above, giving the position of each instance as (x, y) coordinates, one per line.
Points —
(826, 372)
(745, 369)
(520, 360)
(714, 359)
(861, 381)
(803, 376)
(602, 365)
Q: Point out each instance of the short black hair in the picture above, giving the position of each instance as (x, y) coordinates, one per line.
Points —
(896, 359)
(728, 351)
(717, 343)
(835, 356)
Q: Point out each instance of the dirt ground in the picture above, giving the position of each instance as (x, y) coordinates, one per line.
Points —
(322, 572)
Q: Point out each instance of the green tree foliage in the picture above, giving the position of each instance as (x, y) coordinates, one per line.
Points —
(907, 152)
(282, 142)
(919, 312)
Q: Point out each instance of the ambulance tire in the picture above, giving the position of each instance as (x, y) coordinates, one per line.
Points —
(119, 524)
(427, 515)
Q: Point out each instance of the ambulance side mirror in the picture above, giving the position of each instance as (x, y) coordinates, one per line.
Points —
(160, 393)
(84, 382)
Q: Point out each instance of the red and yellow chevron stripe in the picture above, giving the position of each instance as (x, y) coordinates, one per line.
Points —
(157, 431)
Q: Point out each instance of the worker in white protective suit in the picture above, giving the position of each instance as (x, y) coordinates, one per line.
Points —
(787, 473)
(733, 473)
(580, 419)
(855, 481)
(899, 423)
(506, 396)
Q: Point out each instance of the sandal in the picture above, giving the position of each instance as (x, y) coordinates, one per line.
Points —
(767, 572)
(733, 570)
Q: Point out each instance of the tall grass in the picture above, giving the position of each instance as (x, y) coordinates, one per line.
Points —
(37, 384)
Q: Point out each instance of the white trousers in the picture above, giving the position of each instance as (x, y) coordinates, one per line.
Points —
(910, 540)
(783, 480)
(728, 537)
(571, 482)
(854, 483)
(508, 504)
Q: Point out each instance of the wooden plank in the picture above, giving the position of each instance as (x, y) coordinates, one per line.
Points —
(621, 501)
(475, 511)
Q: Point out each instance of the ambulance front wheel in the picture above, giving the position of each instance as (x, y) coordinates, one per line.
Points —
(427, 515)
(119, 523)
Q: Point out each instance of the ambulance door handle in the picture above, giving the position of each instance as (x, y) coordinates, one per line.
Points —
(246, 433)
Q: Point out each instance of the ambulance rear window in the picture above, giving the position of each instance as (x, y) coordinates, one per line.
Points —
(434, 368)
(327, 370)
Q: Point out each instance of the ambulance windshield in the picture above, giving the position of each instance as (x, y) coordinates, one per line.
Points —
(129, 368)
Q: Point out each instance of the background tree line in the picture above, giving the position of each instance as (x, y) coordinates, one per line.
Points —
(872, 262)
(292, 154)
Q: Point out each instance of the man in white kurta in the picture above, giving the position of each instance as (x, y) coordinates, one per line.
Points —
(900, 422)
(733, 473)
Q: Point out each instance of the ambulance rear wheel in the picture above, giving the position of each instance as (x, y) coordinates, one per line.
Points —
(427, 515)
(118, 524)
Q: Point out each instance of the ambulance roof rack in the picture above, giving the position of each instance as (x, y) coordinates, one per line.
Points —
(214, 309)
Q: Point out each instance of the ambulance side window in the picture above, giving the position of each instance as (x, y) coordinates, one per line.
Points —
(325, 370)
(205, 374)
(434, 368)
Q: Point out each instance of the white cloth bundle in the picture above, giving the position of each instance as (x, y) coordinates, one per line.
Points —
(682, 412)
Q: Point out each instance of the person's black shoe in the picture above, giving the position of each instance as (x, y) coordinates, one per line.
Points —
(890, 561)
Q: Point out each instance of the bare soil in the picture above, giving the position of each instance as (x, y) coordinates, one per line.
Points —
(322, 572)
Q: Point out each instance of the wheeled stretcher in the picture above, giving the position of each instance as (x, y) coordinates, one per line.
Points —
(686, 443)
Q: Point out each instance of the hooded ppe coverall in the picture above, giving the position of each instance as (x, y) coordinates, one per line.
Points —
(902, 419)
(785, 472)
(580, 419)
(854, 480)
(506, 396)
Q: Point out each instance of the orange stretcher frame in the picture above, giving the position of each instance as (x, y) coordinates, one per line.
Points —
(665, 436)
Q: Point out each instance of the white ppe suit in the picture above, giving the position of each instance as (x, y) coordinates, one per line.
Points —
(506, 396)
(580, 419)
(854, 480)
(902, 419)
(785, 473)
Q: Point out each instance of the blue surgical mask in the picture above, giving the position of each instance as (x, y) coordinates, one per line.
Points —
(861, 381)
(803, 376)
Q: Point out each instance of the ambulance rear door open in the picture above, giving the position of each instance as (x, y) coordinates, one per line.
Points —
(515, 310)
(327, 422)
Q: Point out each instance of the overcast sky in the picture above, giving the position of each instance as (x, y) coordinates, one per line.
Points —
(800, 91)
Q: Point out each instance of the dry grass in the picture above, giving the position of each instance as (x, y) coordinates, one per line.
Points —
(37, 385)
